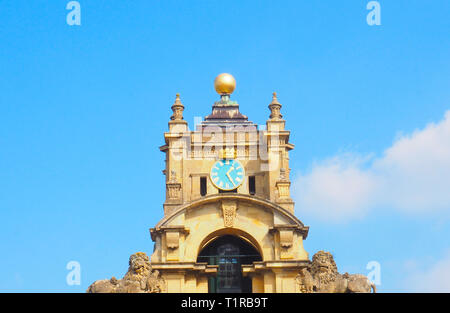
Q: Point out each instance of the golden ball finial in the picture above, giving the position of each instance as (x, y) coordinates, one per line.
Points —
(224, 84)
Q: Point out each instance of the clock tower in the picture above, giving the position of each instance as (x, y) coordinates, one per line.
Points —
(229, 223)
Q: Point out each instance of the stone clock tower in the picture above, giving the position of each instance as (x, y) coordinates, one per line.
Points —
(229, 223)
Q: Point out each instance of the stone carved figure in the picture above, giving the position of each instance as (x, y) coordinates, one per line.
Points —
(305, 281)
(139, 279)
(155, 284)
(323, 277)
(173, 176)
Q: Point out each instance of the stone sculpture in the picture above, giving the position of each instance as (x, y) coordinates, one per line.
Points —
(140, 278)
(323, 277)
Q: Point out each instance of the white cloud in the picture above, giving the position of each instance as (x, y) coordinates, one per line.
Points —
(413, 176)
(336, 189)
(434, 279)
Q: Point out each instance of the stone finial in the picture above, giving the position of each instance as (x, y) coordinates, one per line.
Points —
(275, 108)
(177, 109)
(274, 98)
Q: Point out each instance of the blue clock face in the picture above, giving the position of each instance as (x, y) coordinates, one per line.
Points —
(227, 174)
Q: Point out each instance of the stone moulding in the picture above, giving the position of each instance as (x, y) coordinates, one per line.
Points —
(295, 222)
(286, 232)
(200, 267)
(268, 265)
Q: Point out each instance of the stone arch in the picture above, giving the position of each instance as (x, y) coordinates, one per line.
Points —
(258, 221)
(242, 197)
(230, 231)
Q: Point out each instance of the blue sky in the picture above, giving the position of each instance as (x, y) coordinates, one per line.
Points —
(83, 110)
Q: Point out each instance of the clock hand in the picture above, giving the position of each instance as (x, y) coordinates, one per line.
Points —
(229, 177)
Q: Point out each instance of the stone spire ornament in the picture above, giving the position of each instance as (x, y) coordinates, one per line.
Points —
(225, 111)
(177, 109)
(275, 108)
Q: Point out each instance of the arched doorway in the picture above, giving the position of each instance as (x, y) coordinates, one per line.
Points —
(229, 253)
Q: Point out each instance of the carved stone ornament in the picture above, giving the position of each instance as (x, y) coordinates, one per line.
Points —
(173, 176)
(323, 277)
(275, 108)
(229, 208)
(172, 239)
(283, 189)
(173, 191)
(173, 187)
(282, 174)
(286, 238)
(140, 278)
(305, 281)
(283, 185)
(177, 109)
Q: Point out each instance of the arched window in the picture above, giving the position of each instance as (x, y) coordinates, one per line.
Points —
(229, 253)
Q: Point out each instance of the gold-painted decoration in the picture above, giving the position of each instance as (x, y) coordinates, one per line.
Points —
(224, 84)
(227, 153)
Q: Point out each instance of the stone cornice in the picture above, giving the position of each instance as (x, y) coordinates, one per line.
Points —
(260, 266)
(182, 267)
(157, 230)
